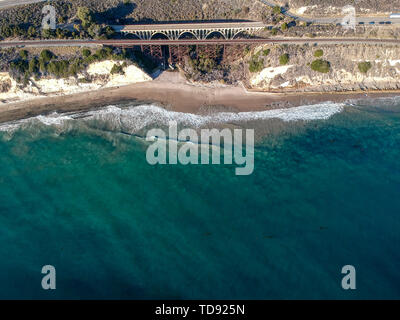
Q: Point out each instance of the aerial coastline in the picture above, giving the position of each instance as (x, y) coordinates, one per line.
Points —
(256, 75)
(173, 92)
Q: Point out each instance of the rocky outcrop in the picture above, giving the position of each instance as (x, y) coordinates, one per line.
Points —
(344, 74)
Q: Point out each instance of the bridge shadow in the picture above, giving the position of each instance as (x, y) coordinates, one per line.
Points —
(120, 15)
(117, 15)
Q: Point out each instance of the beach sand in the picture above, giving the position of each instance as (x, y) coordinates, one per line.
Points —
(172, 91)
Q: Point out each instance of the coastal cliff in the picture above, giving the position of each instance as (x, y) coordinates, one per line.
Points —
(98, 75)
(325, 68)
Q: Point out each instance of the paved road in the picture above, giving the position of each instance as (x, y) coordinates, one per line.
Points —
(192, 26)
(82, 43)
(381, 20)
(13, 3)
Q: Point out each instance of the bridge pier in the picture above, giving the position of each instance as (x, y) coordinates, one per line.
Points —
(177, 53)
(209, 51)
(155, 52)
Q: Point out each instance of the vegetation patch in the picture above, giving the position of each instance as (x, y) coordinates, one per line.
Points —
(118, 68)
(284, 59)
(256, 64)
(320, 65)
(318, 53)
(266, 52)
(365, 66)
(203, 64)
(48, 64)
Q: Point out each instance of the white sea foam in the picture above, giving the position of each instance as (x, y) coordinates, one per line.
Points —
(53, 119)
(135, 118)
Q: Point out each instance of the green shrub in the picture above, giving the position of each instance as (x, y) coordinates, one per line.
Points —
(85, 15)
(284, 59)
(256, 64)
(277, 10)
(320, 65)
(319, 53)
(284, 26)
(33, 66)
(365, 66)
(23, 54)
(83, 80)
(203, 64)
(20, 66)
(46, 55)
(86, 53)
(266, 52)
(117, 69)
(59, 68)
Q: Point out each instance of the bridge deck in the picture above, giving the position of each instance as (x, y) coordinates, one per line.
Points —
(188, 26)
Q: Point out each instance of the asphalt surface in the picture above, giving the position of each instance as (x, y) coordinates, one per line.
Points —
(184, 26)
(360, 20)
(13, 3)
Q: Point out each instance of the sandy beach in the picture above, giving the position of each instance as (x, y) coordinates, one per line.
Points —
(172, 91)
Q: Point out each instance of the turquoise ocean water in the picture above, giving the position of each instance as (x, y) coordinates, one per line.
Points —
(76, 192)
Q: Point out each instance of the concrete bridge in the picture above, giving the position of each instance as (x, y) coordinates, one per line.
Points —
(200, 31)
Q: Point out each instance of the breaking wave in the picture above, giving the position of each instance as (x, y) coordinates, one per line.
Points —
(135, 118)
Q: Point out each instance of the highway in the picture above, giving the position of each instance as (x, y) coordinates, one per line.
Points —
(361, 20)
(13, 3)
(127, 43)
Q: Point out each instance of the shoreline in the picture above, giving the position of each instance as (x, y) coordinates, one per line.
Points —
(172, 92)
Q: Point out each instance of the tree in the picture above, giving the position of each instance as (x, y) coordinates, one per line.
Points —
(46, 55)
(23, 54)
(277, 10)
(284, 26)
(33, 66)
(319, 53)
(85, 15)
(46, 33)
(117, 69)
(284, 59)
(94, 30)
(256, 65)
(86, 53)
(31, 31)
(267, 52)
(365, 66)
(320, 65)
